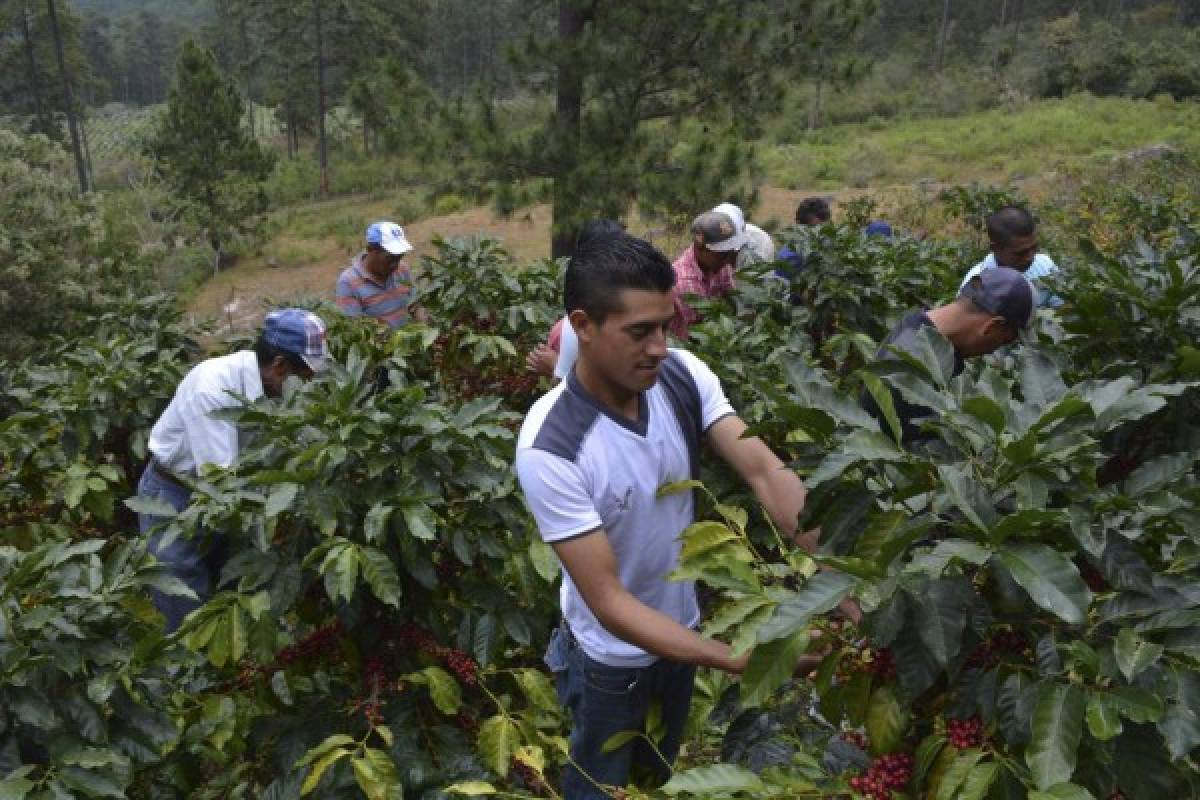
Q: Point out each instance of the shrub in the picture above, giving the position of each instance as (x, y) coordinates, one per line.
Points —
(59, 260)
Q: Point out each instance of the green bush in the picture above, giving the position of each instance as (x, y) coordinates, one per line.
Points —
(1030, 607)
(60, 258)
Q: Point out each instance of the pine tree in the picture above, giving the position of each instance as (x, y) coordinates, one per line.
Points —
(627, 79)
(822, 51)
(214, 169)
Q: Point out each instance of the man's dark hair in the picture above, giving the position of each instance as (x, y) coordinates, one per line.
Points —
(813, 211)
(1007, 223)
(604, 265)
(266, 352)
(599, 227)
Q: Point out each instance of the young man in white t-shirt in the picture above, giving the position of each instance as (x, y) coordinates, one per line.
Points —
(591, 456)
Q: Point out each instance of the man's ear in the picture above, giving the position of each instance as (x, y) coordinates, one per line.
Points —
(582, 324)
(279, 368)
(995, 322)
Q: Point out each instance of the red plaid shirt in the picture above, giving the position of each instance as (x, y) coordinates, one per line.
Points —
(691, 280)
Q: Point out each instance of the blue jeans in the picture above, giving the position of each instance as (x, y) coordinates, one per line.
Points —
(604, 701)
(196, 561)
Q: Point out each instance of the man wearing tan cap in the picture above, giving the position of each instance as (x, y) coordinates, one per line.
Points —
(705, 268)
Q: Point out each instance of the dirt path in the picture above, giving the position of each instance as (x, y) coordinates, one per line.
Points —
(307, 267)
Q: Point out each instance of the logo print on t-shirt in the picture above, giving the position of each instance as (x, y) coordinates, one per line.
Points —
(623, 503)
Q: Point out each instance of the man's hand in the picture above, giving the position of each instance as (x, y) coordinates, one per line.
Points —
(592, 565)
(542, 360)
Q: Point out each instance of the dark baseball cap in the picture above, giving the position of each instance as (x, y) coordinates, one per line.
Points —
(1003, 292)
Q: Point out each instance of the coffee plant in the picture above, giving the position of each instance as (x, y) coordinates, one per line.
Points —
(1027, 571)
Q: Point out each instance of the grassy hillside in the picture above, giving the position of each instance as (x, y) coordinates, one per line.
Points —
(998, 145)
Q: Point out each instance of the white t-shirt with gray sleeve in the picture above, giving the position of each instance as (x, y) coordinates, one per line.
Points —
(583, 468)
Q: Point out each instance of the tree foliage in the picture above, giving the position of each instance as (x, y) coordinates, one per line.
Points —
(214, 169)
(619, 105)
(60, 260)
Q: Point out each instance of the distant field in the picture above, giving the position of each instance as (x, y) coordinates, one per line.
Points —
(998, 146)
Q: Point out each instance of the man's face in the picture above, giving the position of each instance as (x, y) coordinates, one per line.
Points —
(1016, 253)
(627, 349)
(275, 374)
(988, 335)
(381, 263)
(712, 260)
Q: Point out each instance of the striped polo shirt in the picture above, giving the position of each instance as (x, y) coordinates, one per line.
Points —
(359, 293)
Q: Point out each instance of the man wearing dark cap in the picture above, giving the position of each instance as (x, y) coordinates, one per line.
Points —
(705, 268)
(990, 312)
(191, 434)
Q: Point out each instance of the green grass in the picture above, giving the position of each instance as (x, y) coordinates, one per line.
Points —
(997, 145)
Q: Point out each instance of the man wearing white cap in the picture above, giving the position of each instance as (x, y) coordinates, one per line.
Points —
(378, 283)
(192, 434)
(705, 268)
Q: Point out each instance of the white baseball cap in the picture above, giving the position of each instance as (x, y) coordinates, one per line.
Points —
(389, 236)
(723, 229)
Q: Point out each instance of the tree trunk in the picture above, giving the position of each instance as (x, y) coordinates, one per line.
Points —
(1018, 8)
(1003, 13)
(72, 123)
(814, 110)
(35, 81)
(322, 142)
(244, 40)
(568, 112)
(464, 40)
(87, 152)
(216, 260)
(943, 30)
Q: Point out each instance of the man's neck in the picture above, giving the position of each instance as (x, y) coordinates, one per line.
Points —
(615, 398)
(370, 273)
(948, 322)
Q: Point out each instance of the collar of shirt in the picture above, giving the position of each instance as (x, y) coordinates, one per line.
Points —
(358, 266)
(690, 279)
(252, 387)
(1042, 266)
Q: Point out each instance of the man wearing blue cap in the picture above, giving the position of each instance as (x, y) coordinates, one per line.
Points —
(990, 312)
(191, 435)
(378, 283)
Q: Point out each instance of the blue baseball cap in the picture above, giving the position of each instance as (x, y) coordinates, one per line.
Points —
(298, 331)
(389, 236)
(1003, 292)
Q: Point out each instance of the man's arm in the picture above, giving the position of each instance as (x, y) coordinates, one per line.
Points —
(347, 300)
(779, 489)
(592, 565)
(211, 440)
(541, 360)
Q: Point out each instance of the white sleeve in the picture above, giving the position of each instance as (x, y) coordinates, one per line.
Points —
(975, 270)
(1046, 263)
(568, 350)
(557, 495)
(714, 405)
(211, 440)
